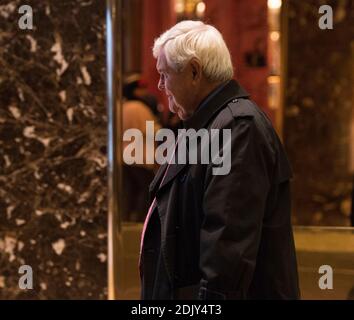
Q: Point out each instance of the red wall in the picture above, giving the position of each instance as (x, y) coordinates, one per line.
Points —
(158, 16)
(241, 22)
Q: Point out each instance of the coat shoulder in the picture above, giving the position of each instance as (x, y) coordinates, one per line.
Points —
(242, 108)
(246, 108)
(266, 134)
(225, 118)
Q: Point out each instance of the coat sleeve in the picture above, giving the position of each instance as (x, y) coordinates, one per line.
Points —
(234, 206)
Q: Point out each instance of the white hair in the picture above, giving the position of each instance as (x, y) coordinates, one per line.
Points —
(194, 39)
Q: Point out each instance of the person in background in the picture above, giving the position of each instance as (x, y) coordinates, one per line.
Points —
(136, 88)
(137, 177)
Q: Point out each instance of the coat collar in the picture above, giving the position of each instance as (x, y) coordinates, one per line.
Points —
(215, 101)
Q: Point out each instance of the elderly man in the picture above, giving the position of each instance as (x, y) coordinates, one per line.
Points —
(209, 236)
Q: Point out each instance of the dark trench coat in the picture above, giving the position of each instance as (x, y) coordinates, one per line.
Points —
(224, 236)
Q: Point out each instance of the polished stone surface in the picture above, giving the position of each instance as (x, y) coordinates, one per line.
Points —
(318, 108)
(53, 189)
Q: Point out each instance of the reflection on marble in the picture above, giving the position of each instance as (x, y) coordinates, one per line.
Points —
(53, 150)
(318, 108)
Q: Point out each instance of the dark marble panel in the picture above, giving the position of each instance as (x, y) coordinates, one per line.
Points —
(53, 189)
(318, 108)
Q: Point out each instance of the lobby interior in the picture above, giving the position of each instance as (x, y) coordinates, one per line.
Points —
(65, 197)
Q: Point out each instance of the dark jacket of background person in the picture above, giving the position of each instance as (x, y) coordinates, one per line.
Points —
(224, 236)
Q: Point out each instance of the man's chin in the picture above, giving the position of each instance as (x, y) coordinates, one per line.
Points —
(172, 108)
(183, 115)
(180, 113)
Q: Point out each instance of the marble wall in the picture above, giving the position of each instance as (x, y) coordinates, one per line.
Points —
(318, 109)
(53, 162)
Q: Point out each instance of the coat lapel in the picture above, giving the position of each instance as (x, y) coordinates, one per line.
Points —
(173, 170)
(157, 179)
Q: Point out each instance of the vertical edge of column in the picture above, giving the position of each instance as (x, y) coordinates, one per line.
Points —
(114, 113)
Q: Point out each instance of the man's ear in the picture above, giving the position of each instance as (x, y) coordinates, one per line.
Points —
(196, 69)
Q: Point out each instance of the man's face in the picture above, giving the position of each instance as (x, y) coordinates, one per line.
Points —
(178, 87)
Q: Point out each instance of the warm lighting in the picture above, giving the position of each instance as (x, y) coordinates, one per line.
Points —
(274, 4)
(179, 6)
(200, 8)
(274, 35)
(273, 79)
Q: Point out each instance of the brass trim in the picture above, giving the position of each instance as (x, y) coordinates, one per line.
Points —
(114, 123)
(283, 67)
